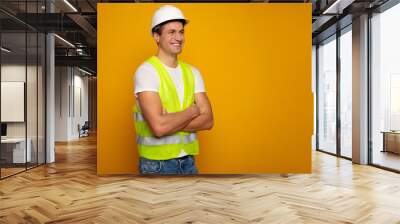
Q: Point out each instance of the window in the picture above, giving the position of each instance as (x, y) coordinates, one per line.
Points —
(385, 88)
(346, 93)
(327, 95)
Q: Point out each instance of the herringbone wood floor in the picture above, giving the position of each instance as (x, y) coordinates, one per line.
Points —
(69, 191)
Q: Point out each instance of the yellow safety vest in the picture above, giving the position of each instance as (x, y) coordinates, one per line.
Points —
(167, 147)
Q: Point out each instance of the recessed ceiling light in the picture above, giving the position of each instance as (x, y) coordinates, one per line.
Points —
(5, 50)
(70, 5)
(84, 71)
(64, 40)
(337, 7)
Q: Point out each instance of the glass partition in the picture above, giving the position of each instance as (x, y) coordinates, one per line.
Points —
(13, 99)
(22, 77)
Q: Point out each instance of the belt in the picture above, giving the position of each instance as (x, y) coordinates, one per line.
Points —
(180, 158)
(183, 157)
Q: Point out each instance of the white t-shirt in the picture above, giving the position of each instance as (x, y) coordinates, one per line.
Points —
(147, 79)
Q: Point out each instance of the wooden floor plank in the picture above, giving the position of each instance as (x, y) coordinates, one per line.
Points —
(69, 191)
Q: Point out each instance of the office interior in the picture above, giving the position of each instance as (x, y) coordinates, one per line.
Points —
(49, 74)
(48, 81)
(334, 74)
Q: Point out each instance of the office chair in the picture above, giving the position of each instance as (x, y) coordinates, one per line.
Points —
(84, 130)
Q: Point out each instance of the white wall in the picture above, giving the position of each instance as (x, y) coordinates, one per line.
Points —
(80, 89)
(71, 94)
(13, 73)
(61, 103)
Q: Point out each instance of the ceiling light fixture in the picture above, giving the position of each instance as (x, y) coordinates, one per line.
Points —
(5, 50)
(84, 71)
(65, 41)
(79, 51)
(334, 8)
(70, 5)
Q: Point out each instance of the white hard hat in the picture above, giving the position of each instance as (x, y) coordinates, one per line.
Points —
(166, 13)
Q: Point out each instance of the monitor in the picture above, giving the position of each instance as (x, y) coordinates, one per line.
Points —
(3, 129)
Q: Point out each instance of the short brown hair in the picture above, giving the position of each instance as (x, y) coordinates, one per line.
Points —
(158, 28)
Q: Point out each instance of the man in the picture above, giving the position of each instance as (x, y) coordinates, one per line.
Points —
(171, 101)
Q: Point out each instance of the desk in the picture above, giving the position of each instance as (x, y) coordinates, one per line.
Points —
(13, 150)
(391, 141)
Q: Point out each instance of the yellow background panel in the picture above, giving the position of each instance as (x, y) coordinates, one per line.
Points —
(255, 60)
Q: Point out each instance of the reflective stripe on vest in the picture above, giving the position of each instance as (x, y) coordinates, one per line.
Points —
(138, 116)
(167, 140)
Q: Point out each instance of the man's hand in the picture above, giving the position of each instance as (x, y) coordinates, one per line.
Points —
(205, 120)
(194, 109)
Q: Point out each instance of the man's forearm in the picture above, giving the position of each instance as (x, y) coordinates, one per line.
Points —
(170, 123)
(201, 122)
(174, 122)
(160, 122)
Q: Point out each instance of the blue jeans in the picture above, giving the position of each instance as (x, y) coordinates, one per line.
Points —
(183, 165)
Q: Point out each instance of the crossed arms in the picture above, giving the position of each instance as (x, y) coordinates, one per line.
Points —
(197, 117)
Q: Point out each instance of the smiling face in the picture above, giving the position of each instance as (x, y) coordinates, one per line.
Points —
(171, 37)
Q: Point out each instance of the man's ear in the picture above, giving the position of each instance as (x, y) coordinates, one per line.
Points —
(156, 37)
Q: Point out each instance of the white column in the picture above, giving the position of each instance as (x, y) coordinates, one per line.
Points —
(50, 100)
(360, 90)
(313, 88)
